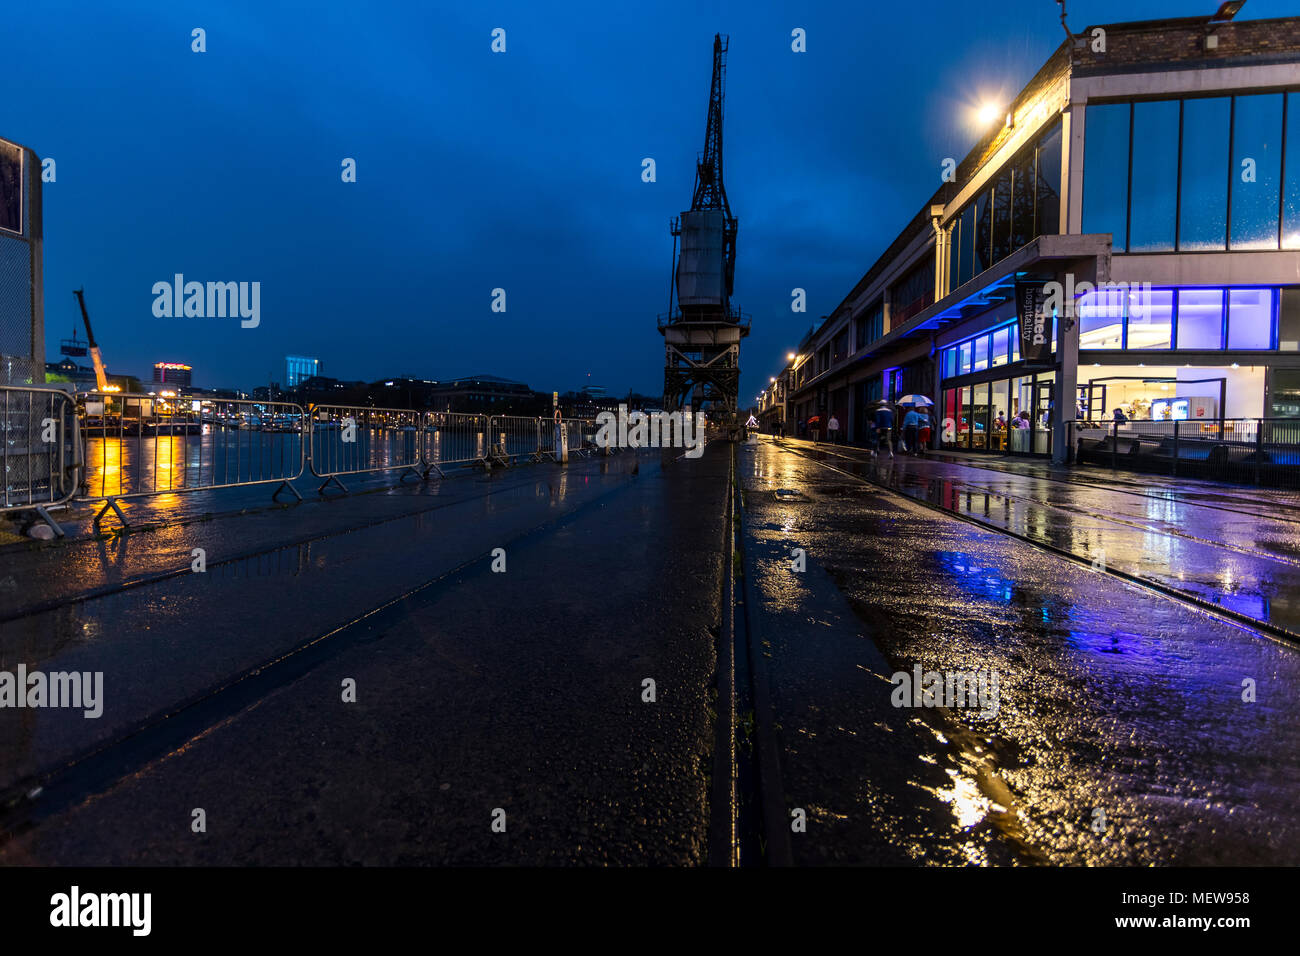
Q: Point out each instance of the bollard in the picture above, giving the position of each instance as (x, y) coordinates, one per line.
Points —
(561, 443)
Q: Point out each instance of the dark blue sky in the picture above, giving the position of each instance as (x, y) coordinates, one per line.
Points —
(478, 170)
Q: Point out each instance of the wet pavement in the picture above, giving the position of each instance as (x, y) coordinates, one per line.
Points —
(1131, 728)
(1237, 549)
(1118, 731)
(475, 690)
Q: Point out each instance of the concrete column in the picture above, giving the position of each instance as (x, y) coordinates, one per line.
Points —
(1067, 379)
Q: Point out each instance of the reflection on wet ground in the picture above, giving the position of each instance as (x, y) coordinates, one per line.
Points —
(1242, 554)
(1132, 728)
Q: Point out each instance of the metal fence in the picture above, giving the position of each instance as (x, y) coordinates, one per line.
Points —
(107, 446)
(39, 449)
(1259, 451)
(454, 439)
(353, 440)
(137, 445)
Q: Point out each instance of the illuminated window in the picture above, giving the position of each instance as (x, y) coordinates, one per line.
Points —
(1150, 319)
(1250, 319)
(1101, 319)
(1200, 318)
(1001, 346)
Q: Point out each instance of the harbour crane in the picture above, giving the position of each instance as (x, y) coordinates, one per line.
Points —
(101, 379)
(701, 330)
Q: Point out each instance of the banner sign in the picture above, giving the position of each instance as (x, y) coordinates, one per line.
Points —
(1035, 324)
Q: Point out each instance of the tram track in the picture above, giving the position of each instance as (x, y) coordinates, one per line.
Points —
(1266, 629)
(11, 614)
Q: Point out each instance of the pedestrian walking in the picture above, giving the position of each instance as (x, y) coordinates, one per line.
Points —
(911, 430)
(833, 430)
(927, 429)
(884, 426)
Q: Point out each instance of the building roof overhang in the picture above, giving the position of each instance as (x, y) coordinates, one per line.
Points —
(1088, 256)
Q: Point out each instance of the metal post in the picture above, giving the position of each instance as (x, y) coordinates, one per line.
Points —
(1259, 445)
(1175, 465)
(1114, 445)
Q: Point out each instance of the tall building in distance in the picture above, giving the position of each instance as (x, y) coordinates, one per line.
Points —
(172, 373)
(299, 368)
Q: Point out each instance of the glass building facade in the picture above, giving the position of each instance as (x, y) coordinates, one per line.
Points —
(1194, 174)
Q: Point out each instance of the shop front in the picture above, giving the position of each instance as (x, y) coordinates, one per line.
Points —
(991, 401)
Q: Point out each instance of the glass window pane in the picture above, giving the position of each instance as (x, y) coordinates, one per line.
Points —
(953, 413)
(1001, 339)
(1015, 342)
(1250, 319)
(1022, 201)
(1203, 205)
(1288, 320)
(968, 266)
(1291, 182)
(979, 416)
(1105, 170)
(1256, 170)
(1200, 318)
(1048, 181)
(1002, 216)
(954, 255)
(981, 354)
(964, 423)
(949, 363)
(983, 232)
(963, 366)
(998, 418)
(1101, 319)
(1150, 318)
(1155, 176)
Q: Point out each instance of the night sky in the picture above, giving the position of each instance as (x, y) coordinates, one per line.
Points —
(478, 170)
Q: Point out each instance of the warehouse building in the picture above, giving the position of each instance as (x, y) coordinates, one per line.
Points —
(1127, 237)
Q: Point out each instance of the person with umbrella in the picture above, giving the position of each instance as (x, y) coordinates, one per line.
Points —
(917, 413)
(815, 427)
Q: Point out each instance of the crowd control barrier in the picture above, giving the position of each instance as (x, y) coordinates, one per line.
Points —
(39, 450)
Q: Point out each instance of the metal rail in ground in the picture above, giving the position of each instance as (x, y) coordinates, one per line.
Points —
(1274, 631)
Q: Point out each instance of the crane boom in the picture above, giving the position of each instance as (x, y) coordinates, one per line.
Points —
(101, 379)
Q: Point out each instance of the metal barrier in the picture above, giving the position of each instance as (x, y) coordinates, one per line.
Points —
(452, 439)
(1259, 451)
(352, 440)
(108, 446)
(581, 433)
(39, 450)
(516, 438)
(137, 445)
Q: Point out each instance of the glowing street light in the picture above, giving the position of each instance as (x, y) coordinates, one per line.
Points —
(988, 113)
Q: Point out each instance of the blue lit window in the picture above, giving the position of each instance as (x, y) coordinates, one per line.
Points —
(1250, 319)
